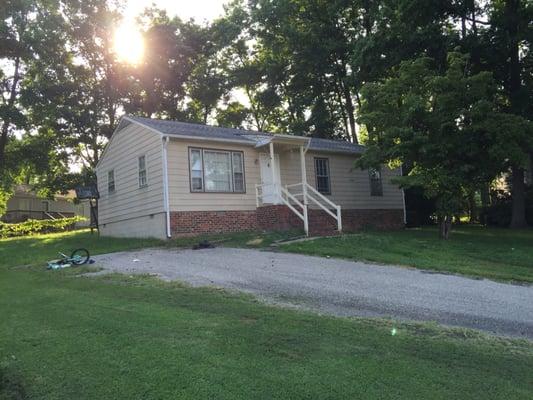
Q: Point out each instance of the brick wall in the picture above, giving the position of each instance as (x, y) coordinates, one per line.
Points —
(279, 218)
(192, 223)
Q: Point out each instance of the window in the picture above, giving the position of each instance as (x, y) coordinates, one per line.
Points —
(322, 175)
(376, 185)
(216, 171)
(142, 172)
(111, 181)
(197, 175)
(238, 172)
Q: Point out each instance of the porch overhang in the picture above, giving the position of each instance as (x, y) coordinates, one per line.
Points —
(286, 140)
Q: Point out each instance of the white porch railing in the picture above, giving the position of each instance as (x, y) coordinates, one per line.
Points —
(307, 193)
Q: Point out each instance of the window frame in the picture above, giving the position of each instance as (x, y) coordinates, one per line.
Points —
(109, 173)
(232, 170)
(145, 170)
(326, 159)
(374, 190)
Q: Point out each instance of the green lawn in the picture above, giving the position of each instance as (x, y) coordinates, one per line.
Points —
(38, 249)
(498, 254)
(120, 337)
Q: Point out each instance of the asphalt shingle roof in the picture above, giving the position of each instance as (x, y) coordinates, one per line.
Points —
(177, 128)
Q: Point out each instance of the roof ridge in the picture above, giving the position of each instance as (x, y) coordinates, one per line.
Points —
(238, 131)
(211, 132)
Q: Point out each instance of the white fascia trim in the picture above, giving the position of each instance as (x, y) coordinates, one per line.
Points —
(125, 118)
(143, 125)
(166, 202)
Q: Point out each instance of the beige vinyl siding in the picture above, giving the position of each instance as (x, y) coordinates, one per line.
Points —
(129, 201)
(350, 186)
(180, 196)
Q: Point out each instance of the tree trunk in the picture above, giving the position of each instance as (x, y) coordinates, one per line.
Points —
(445, 226)
(518, 219)
(518, 193)
(473, 214)
(5, 123)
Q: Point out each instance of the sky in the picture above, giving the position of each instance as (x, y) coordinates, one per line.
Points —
(200, 10)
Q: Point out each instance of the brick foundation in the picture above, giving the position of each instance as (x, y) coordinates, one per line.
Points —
(280, 218)
(192, 223)
(277, 218)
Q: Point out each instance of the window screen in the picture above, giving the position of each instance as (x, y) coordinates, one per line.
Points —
(216, 171)
(322, 175)
(111, 181)
(142, 171)
(376, 184)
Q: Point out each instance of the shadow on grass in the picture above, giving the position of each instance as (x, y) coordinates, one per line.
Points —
(11, 384)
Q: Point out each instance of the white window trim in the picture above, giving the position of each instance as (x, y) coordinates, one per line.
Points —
(379, 181)
(109, 191)
(232, 190)
(145, 170)
(326, 176)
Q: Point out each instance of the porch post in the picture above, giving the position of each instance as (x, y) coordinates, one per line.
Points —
(304, 189)
(304, 173)
(273, 168)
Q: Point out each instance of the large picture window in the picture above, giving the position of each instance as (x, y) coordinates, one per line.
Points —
(322, 175)
(216, 171)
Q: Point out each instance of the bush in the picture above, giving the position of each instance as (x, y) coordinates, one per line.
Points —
(500, 211)
(34, 226)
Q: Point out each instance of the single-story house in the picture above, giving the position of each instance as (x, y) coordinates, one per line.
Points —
(26, 204)
(160, 178)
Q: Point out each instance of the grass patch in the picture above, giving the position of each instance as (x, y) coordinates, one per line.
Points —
(34, 250)
(133, 337)
(498, 254)
(137, 337)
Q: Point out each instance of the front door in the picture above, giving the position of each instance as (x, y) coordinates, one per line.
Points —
(270, 191)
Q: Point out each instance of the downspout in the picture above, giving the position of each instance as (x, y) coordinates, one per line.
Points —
(165, 186)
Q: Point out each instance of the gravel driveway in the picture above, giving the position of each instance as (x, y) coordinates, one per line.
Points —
(343, 288)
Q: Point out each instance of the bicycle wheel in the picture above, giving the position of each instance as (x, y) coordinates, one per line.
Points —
(80, 256)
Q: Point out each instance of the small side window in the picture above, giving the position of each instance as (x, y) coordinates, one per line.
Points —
(376, 184)
(322, 175)
(111, 181)
(238, 172)
(142, 172)
(197, 174)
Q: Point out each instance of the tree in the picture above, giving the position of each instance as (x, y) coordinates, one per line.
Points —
(509, 40)
(447, 125)
(28, 34)
(79, 97)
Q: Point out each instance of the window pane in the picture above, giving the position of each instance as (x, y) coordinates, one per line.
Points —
(217, 171)
(376, 184)
(238, 175)
(142, 171)
(197, 180)
(322, 175)
(111, 181)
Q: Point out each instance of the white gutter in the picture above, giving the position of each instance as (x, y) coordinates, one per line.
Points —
(307, 145)
(166, 204)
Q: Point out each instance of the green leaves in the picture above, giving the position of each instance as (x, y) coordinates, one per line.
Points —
(448, 125)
